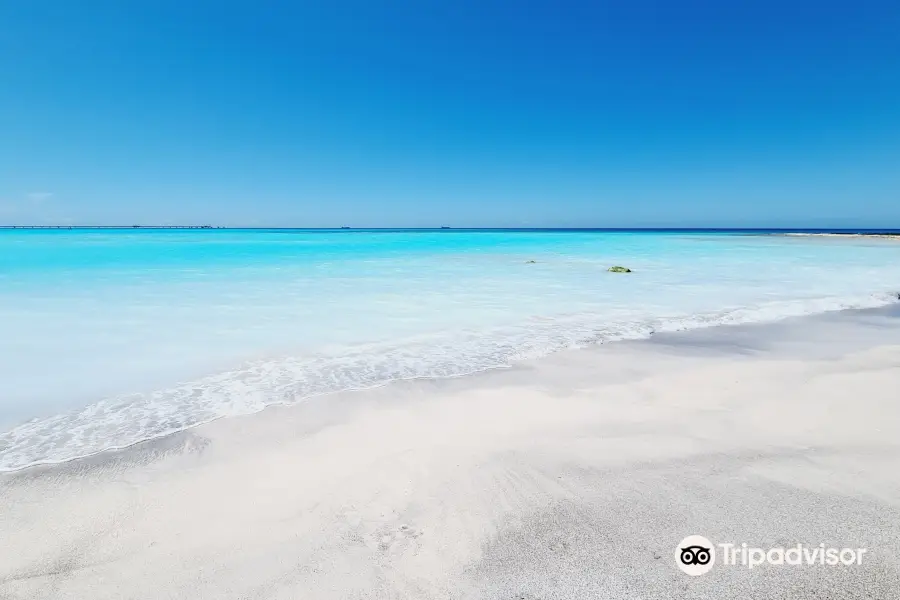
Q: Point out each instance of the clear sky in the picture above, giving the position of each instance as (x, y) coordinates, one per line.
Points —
(482, 113)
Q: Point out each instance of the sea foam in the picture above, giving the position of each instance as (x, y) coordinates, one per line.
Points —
(121, 421)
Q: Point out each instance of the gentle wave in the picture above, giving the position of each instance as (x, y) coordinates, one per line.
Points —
(122, 421)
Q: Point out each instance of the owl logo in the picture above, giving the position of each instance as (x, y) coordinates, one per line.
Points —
(695, 555)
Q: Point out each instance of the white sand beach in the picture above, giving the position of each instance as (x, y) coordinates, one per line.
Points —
(571, 477)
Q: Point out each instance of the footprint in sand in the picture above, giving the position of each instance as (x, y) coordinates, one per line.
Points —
(398, 539)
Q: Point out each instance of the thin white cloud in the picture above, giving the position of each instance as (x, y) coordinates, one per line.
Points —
(32, 208)
(39, 197)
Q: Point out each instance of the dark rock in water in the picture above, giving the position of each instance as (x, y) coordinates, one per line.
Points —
(618, 269)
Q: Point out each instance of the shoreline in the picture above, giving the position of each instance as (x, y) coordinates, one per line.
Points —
(570, 476)
(632, 333)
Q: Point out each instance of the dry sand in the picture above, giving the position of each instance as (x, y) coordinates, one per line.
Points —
(570, 477)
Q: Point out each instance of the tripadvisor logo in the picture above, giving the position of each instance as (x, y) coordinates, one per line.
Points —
(696, 555)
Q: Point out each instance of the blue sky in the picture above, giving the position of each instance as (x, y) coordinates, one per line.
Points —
(489, 113)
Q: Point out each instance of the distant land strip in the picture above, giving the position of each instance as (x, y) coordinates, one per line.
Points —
(777, 231)
(109, 227)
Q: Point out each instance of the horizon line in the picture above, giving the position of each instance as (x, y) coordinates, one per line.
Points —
(448, 228)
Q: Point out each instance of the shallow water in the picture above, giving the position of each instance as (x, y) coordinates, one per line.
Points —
(111, 337)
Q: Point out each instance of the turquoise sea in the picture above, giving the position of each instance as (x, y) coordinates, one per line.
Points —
(110, 337)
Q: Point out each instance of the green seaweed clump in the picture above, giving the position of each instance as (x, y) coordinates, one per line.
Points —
(618, 269)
